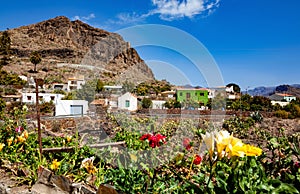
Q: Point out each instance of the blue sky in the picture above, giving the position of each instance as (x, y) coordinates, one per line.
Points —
(253, 42)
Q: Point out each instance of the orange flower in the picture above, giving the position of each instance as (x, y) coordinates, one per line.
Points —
(25, 134)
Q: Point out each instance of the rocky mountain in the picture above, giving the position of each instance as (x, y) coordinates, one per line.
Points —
(267, 91)
(73, 47)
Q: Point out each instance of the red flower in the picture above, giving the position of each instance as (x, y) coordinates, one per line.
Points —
(154, 140)
(146, 136)
(297, 165)
(187, 143)
(197, 159)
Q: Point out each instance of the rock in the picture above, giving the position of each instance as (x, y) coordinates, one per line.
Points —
(4, 189)
(49, 183)
(106, 189)
(60, 40)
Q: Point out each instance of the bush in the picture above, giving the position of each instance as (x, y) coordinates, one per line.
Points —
(146, 103)
(282, 114)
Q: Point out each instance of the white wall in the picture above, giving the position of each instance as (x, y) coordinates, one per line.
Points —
(132, 102)
(46, 97)
(289, 98)
(63, 107)
(279, 102)
(158, 104)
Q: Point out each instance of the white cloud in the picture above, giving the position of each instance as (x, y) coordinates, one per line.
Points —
(175, 9)
(84, 18)
(168, 10)
(132, 18)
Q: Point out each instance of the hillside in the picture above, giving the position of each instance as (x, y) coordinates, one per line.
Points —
(73, 47)
(267, 91)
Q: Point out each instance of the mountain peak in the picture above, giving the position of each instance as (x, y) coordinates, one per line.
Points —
(60, 40)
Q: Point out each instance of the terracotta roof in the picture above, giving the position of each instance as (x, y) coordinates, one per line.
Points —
(280, 94)
(98, 102)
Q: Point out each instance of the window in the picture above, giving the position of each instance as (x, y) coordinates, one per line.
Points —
(127, 103)
(28, 97)
(188, 95)
(202, 94)
(180, 94)
(76, 109)
(52, 98)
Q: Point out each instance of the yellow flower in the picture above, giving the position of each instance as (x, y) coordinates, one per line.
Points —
(252, 150)
(21, 139)
(88, 165)
(235, 147)
(1, 146)
(209, 142)
(69, 138)
(9, 141)
(133, 157)
(54, 165)
(25, 134)
(222, 140)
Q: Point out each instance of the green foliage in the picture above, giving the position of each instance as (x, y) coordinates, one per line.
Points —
(87, 91)
(2, 106)
(275, 171)
(219, 102)
(256, 103)
(99, 86)
(5, 50)
(58, 91)
(146, 103)
(47, 107)
(128, 86)
(172, 104)
(153, 87)
(282, 114)
(9, 79)
(35, 58)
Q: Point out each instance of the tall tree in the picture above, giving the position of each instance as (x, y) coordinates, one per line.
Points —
(35, 58)
(99, 86)
(5, 50)
(236, 88)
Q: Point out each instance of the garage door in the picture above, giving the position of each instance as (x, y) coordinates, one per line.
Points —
(76, 109)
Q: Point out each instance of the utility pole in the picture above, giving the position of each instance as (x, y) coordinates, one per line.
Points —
(38, 116)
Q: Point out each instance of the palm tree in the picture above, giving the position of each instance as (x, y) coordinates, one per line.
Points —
(35, 58)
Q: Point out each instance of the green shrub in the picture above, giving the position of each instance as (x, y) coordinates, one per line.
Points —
(282, 114)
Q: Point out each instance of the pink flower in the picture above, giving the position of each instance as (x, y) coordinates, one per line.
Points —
(19, 129)
(187, 143)
(197, 159)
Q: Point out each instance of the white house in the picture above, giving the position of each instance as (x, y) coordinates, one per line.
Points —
(158, 104)
(279, 102)
(71, 107)
(75, 83)
(168, 94)
(46, 97)
(128, 101)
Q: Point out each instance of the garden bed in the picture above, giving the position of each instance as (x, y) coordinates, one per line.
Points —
(151, 160)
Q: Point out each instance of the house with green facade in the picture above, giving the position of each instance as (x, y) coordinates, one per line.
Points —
(192, 95)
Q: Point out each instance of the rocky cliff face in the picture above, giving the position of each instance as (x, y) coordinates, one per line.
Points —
(100, 53)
